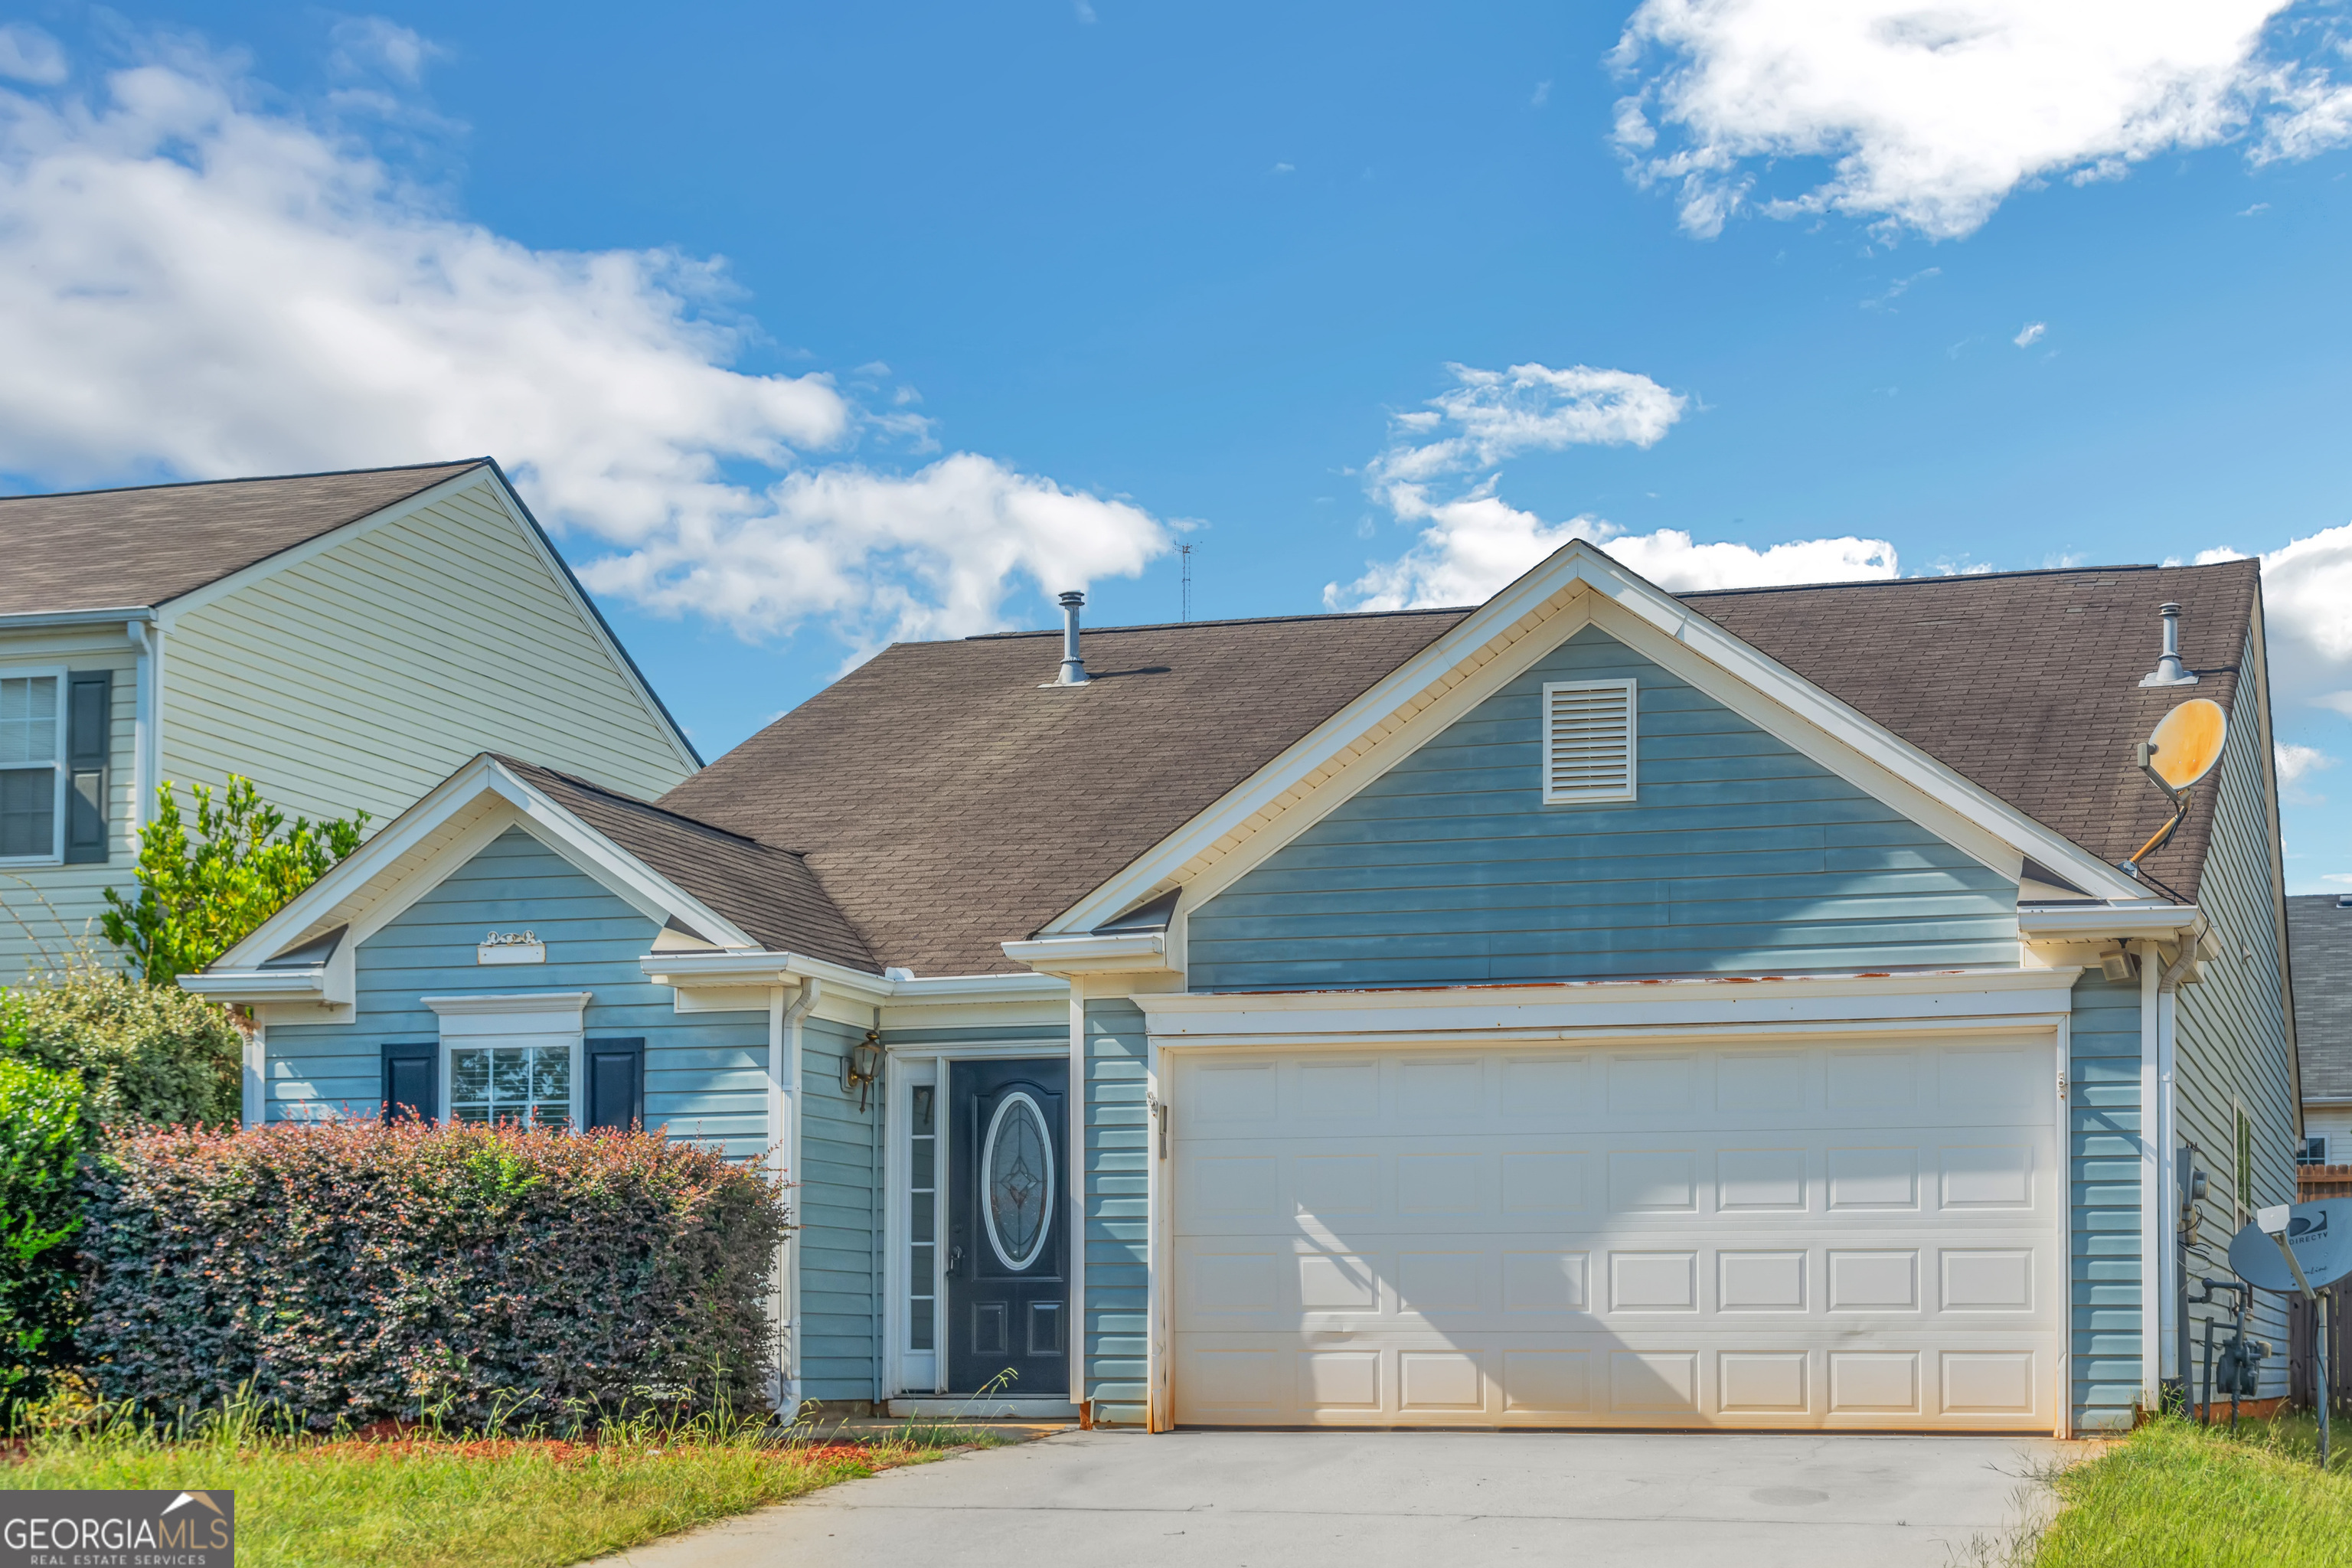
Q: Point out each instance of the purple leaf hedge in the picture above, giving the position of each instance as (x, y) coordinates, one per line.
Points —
(352, 1272)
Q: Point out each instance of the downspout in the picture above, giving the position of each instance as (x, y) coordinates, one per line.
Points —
(146, 734)
(785, 1141)
(2174, 1285)
(2153, 1241)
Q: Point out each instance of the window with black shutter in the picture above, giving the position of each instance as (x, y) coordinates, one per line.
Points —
(88, 731)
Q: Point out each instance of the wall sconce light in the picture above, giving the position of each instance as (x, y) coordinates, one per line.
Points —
(861, 1064)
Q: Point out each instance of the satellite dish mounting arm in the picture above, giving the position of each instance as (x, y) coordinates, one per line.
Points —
(2163, 835)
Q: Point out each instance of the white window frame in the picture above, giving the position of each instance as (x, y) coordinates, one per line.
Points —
(1551, 795)
(512, 1018)
(58, 767)
(2323, 1139)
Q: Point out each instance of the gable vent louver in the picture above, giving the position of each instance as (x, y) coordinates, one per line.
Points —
(1589, 742)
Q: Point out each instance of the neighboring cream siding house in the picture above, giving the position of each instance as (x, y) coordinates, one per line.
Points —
(345, 640)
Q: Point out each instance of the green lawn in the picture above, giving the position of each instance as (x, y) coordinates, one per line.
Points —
(2174, 1496)
(427, 1503)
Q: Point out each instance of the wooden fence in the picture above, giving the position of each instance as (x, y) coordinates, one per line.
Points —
(2320, 1182)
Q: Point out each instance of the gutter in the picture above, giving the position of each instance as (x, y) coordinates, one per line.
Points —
(35, 620)
(757, 967)
(1118, 952)
(2088, 923)
(244, 987)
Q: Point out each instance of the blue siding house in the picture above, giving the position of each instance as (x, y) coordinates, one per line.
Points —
(1592, 1008)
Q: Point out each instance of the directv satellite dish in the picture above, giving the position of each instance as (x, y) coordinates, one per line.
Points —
(2324, 1249)
(2185, 745)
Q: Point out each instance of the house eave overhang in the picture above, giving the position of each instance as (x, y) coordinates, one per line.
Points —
(687, 971)
(39, 620)
(2097, 923)
(254, 987)
(1120, 952)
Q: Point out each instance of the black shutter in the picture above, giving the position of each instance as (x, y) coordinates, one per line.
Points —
(89, 702)
(617, 1083)
(412, 1082)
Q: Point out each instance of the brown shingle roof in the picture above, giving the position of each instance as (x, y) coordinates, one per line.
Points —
(2319, 949)
(103, 549)
(2026, 683)
(769, 893)
(950, 805)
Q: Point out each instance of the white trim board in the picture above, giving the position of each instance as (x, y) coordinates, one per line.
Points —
(1501, 640)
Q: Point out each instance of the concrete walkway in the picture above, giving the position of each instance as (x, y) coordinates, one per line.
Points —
(1291, 1500)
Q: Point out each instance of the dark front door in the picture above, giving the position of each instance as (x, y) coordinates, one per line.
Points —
(1008, 1230)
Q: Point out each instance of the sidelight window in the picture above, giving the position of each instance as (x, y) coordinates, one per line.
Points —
(922, 1218)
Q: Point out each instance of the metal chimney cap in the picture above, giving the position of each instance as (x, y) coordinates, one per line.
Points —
(1073, 599)
(2169, 671)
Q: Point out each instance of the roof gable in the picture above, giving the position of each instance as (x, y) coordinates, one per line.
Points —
(950, 804)
(721, 887)
(149, 546)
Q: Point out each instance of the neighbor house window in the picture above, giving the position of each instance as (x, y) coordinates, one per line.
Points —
(2314, 1150)
(529, 1086)
(1588, 741)
(32, 766)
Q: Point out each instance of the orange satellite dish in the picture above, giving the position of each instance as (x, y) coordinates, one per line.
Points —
(2185, 746)
(2187, 743)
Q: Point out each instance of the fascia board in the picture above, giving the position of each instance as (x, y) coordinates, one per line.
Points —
(2097, 921)
(757, 966)
(41, 620)
(252, 986)
(651, 893)
(171, 610)
(1931, 1000)
(390, 844)
(1576, 565)
(1127, 953)
(962, 990)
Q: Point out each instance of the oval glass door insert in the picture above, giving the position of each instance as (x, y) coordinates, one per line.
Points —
(1016, 1180)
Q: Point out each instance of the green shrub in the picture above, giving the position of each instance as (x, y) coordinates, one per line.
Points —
(485, 1275)
(144, 1053)
(42, 1136)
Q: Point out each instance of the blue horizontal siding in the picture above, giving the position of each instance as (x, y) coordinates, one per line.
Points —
(1740, 856)
(838, 1193)
(1118, 1221)
(2103, 1173)
(705, 1073)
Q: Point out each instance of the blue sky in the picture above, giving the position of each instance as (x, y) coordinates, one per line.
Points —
(807, 327)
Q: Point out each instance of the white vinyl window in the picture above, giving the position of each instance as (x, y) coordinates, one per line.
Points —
(32, 764)
(527, 1085)
(1588, 740)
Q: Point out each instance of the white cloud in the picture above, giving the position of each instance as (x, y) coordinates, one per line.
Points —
(27, 53)
(2298, 763)
(2031, 333)
(925, 554)
(1928, 116)
(1491, 415)
(195, 285)
(2307, 611)
(1473, 547)
(1472, 543)
(1541, 96)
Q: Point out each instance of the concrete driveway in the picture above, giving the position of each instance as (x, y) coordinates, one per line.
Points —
(1281, 1500)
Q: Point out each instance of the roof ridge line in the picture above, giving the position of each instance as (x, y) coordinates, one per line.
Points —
(248, 480)
(1235, 621)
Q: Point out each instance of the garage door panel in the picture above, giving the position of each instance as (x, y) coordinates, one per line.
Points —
(1834, 1236)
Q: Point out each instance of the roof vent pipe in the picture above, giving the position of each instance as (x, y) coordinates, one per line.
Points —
(1074, 664)
(2169, 670)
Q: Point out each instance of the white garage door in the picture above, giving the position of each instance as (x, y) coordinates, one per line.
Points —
(1838, 1235)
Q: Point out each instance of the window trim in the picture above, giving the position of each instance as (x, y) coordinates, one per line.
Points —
(2303, 1156)
(491, 1018)
(60, 767)
(1550, 792)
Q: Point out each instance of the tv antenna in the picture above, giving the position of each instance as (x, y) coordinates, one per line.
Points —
(2185, 745)
(1186, 552)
